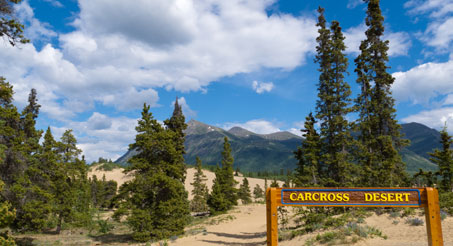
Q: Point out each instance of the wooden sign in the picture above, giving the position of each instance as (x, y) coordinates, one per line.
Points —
(355, 197)
(348, 197)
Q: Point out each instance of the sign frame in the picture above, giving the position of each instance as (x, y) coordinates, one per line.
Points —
(428, 199)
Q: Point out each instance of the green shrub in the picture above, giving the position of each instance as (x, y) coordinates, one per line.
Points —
(446, 202)
(104, 226)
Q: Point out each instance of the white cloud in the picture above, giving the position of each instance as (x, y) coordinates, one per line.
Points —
(448, 100)
(120, 59)
(260, 87)
(434, 118)
(399, 42)
(35, 29)
(424, 82)
(102, 135)
(187, 111)
(295, 131)
(55, 3)
(438, 8)
(354, 3)
(257, 126)
(438, 33)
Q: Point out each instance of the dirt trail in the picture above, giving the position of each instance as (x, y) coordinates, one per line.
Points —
(247, 228)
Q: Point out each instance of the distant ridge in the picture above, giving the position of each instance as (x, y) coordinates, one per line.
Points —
(274, 152)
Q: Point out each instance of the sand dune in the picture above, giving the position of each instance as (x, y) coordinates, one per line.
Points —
(120, 178)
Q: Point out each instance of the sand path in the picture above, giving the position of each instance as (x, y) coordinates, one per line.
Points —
(247, 228)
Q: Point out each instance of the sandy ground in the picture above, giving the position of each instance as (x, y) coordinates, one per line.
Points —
(120, 178)
(246, 224)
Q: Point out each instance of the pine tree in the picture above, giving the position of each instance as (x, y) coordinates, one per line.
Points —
(244, 192)
(308, 169)
(444, 160)
(177, 124)
(380, 138)
(258, 192)
(200, 190)
(333, 104)
(6, 218)
(156, 195)
(224, 194)
(274, 183)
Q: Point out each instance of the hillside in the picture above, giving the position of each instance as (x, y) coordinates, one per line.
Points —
(273, 152)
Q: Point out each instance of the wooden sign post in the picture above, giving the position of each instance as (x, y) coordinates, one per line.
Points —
(355, 197)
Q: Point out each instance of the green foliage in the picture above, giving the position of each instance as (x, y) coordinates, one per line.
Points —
(200, 190)
(244, 192)
(6, 218)
(379, 138)
(102, 192)
(258, 192)
(10, 28)
(444, 159)
(332, 106)
(156, 196)
(224, 194)
(446, 202)
(307, 171)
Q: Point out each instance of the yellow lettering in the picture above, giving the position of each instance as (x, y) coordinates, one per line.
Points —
(323, 197)
(300, 197)
(368, 197)
(406, 196)
(339, 197)
(331, 197)
(384, 197)
(292, 198)
(399, 197)
(314, 198)
(307, 196)
(345, 197)
(391, 198)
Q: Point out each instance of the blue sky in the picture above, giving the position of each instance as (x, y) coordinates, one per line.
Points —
(231, 63)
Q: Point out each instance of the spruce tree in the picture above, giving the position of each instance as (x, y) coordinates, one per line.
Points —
(379, 140)
(308, 169)
(258, 192)
(224, 194)
(156, 196)
(244, 192)
(444, 160)
(333, 104)
(200, 190)
(6, 218)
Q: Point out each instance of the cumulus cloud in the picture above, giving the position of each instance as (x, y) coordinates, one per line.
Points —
(260, 87)
(435, 118)
(438, 33)
(423, 82)
(102, 135)
(257, 126)
(35, 30)
(399, 42)
(174, 45)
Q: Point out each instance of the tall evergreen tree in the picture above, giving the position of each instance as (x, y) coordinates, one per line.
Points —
(200, 190)
(224, 194)
(444, 160)
(333, 104)
(380, 138)
(177, 124)
(308, 154)
(156, 196)
(244, 192)
(10, 27)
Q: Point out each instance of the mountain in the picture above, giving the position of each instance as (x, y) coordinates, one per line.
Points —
(273, 152)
